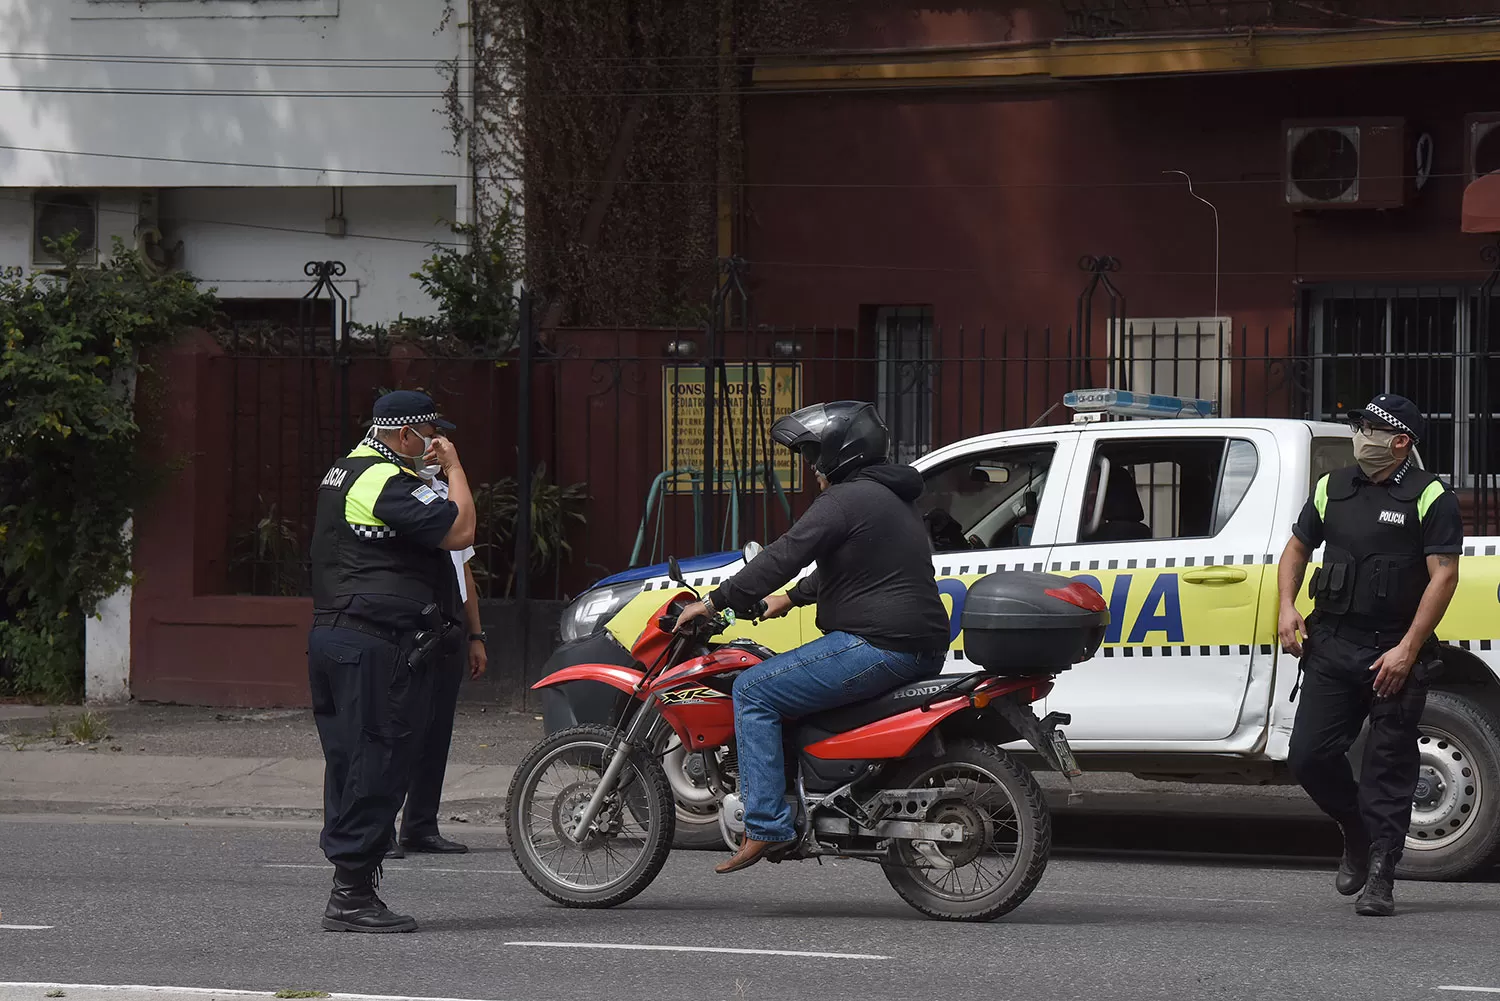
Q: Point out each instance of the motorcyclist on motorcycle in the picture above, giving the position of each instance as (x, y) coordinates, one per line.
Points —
(879, 610)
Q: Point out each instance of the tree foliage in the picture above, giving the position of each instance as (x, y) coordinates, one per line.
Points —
(70, 342)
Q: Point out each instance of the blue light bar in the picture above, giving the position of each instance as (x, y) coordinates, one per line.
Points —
(1121, 403)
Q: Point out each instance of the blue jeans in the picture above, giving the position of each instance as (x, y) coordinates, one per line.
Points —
(831, 671)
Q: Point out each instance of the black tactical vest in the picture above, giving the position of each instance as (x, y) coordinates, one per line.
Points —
(372, 560)
(1373, 568)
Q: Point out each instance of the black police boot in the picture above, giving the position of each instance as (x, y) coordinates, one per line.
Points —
(1377, 900)
(354, 906)
(1354, 867)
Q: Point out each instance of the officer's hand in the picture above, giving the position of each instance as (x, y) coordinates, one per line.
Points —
(479, 658)
(443, 453)
(696, 610)
(1291, 628)
(777, 605)
(1392, 669)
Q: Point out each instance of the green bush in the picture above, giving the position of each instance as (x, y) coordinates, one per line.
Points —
(69, 473)
(474, 286)
(555, 510)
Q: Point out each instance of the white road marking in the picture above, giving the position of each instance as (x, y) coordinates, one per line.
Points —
(27, 927)
(696, 948)
(214, 992)
(393, 868)
(1155, 896)
(1472, 990)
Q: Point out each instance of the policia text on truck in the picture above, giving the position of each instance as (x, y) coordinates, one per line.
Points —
(1392, 535)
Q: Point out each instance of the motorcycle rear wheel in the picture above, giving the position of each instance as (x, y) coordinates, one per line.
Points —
(1007, 835)
(629, 841)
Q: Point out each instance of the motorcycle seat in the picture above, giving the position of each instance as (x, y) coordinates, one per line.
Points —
(906, 696)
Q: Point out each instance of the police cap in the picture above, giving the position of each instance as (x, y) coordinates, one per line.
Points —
(1393, 413)
(408, 408)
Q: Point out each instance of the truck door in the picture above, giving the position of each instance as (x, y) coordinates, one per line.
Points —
(989, 509)
(1173, 529)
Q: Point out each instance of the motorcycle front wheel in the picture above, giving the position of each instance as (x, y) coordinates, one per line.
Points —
(626, 845)
(1007, 835)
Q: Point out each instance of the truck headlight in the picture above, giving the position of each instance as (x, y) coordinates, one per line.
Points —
(589, 613)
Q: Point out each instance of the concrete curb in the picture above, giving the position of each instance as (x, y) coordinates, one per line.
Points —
(185, 786)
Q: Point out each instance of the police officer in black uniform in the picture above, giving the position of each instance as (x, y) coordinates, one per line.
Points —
(384, 598)
(1392, 534)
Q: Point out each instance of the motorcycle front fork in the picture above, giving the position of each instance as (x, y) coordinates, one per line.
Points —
(641, 731)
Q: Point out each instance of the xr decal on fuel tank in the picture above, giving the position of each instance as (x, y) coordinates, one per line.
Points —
(689, 696)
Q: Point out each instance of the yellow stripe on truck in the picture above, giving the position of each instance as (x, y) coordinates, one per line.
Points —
(1148, 608)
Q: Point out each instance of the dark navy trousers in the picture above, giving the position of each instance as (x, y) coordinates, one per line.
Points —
(370, 708)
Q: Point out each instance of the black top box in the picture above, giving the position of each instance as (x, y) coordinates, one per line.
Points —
(1020, 623)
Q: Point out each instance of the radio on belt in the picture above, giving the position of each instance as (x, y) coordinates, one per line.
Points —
(1089, 405)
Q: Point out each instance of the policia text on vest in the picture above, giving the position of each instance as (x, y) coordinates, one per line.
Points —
(1392, 536)
(384, 596)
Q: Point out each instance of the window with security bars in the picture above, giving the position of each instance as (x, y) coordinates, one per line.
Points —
(1423, 343)
(905, 379)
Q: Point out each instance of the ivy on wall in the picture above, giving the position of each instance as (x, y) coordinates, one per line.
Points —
(617, 121)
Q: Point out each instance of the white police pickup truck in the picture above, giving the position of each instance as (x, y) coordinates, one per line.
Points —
(1179, 524)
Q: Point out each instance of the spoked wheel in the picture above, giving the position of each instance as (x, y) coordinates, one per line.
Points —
(1007, 836)
(626, 845)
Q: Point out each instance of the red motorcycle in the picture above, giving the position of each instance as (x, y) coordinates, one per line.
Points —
(915, 779)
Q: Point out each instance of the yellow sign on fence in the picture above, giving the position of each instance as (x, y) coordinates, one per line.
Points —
(748, 399)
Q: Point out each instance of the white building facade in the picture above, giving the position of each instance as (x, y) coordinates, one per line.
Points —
(238, 139)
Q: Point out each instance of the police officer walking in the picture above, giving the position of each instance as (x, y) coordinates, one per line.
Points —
(384, 596)
(1392, 535)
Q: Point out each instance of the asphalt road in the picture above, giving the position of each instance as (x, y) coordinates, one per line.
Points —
(223, 905)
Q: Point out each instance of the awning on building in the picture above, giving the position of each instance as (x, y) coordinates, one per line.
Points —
(1069, 60)
(1482, 205)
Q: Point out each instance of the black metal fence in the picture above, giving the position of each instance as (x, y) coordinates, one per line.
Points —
(609, 431)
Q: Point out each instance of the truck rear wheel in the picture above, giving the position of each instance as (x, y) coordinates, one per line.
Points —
(1455, 820)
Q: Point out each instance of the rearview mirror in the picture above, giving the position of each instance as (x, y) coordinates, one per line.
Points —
(990, 474)
(752, 550)
(674, 571)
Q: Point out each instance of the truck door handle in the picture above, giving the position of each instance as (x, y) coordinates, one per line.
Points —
(1215, 576)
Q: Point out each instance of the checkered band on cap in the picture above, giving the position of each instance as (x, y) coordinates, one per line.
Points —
(1391, 419)
(401, 422)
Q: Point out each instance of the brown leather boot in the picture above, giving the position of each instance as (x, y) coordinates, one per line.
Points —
(751, 851)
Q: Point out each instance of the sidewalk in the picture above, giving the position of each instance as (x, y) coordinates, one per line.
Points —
(181, 761)
(178, 761)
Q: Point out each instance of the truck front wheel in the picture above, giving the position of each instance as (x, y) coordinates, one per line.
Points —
(1455, 820)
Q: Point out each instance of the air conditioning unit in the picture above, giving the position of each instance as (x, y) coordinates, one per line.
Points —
(1350, 163)
(1481, 144)
(58, 212)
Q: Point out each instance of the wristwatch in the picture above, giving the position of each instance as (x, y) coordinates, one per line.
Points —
(481, 637)
(708, 603)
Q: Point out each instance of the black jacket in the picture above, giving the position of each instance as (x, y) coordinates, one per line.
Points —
(874, 564)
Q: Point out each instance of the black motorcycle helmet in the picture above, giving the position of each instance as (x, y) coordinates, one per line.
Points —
(835, 438)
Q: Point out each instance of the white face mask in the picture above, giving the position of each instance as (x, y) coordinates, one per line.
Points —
(426, 447)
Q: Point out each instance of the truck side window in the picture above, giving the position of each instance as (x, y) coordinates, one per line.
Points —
(1327, 455)
(986, 500)
(1164, 489)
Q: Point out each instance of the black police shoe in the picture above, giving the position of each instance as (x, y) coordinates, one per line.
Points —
(1354, 867)
(355, 906)
(394, 849)
(1377, 900)
(434, 844)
